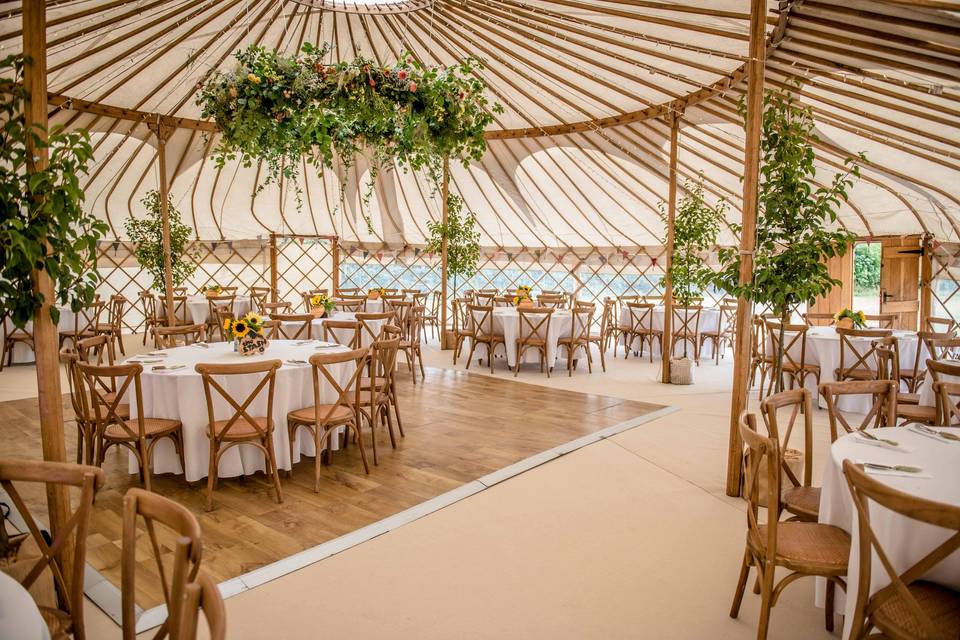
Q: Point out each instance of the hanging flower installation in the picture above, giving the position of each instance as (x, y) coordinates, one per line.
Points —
(281, 109)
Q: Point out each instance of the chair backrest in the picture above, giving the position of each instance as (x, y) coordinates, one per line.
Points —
(241, 416)
(818, 319)
(66, 555)
(888, 359)
(96, 350)
(259, 298)
(865, 490)
(944, 348)
(552, 301)
(794, 342)
(502, 301)
(383, 363)
(480, 320)
(179, 291)
(345, 332)
(187, 543)
(351, 305)
(107, 387)
(220, 303)
(853, 359)
(641, 315)
(728, 318)
(946, 386)
(347, 393)
(534, 324)
(797, 402)
(118, 305)
(419, 299)
(293, 326)
(402, 310)
(148, 305)
(179, 309)
(369, 324)
(348, 291)
(582, 318)
(75, 383)
(270, 308)
(882, 412)
(86, 319)
(202, 594)
(484, 299)
(435, 304)
(168, 337)
(881, 320)
(686, 321)
(761, 451)
(941, 325)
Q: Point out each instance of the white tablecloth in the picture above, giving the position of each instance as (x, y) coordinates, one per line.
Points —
(709, 322)
(198, 307)
(905, 541)
(823, 348)
(178, 395)
(22, 353)
(927, 397)
(506, 322)
(19, 616)
(341, 335)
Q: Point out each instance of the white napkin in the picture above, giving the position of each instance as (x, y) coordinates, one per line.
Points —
(878, 443)
(169, 367)
(893, 472)
(935, 437)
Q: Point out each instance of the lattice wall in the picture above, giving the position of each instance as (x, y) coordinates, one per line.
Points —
(945, 281)
(303, 263)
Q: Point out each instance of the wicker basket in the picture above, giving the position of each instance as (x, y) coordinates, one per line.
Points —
(681, 371)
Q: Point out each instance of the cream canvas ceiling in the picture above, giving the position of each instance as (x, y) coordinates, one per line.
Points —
(578, 158)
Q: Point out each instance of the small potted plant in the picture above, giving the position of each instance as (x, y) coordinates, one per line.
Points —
(321, 306)
(377, 293)
(212, 290)
(850, 319)
(522, 296)
(246, 334)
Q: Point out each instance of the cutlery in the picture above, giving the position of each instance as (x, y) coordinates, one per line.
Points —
(870, 436)
(933, 432)
(903, 468)
(157, 353)
(303, 342)
(202, 344)
(327, 346)
(148, 360)
(168, 367)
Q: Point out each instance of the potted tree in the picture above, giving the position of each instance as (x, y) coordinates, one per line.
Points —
(147, 236)
(696, 226)
(794, 235)
(463, 243)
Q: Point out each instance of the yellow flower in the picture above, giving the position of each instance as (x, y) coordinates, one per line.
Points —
(253, 318)
(254, 78)
(240, 328)
(227, 324)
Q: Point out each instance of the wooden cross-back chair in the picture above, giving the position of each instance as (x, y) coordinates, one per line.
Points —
(609, 326)
(240, 428)
(484, 299)
(345, 332)
(97, 350)
(907, 405)
(187, 543)
(941, 325)
(203, 594)
(370, 331)
(794, 365)
(270, 308)
(640, 328)
(855, 364)
(653, 299)
(351, 305)
(818, 319)
(179, 291)
(462, 327)
(12, 336)
(349, 292)
(65, 556)
(86, 426)
(533, 332)
(502, 301)
(909, 606)
(169, 337)
(944, 348)
(600, 337)
(803, 548)
(914, 376)
(220, 309)
(148, 306)
(113, 327)
(260, 298)
(322, 419)
(432, 317)
(107, 387)
(686, 328)
(760, 359)
(799, 497)
(726, 331)
(946, 387)
(292, 326)
(882, 412)
(480, 321)
(579, 338)
(307, 295)
(551, 301)
(410, 341)
(377, 387)
(402, 312)
(882, 320)
(85, 323)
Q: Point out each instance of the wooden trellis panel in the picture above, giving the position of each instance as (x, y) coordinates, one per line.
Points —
(303, 263)
(945, 281)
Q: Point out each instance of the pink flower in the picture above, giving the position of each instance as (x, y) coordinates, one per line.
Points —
(402, 75)
(413, 87)
(372, 82)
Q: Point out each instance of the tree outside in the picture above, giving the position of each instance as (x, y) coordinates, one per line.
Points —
(866, 276)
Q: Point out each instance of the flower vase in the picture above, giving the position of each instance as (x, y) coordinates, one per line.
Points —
(525, 303)
(374, 295)
(845, 323)
(318, 312)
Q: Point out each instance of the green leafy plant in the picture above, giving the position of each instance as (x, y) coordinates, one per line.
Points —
(285, 109)
(147, 236)
(44, 226)
(695, 229)
(463, 241)
(866, 269)
(795, 223)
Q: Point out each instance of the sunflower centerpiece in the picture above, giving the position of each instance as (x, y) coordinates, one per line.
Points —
(374, 294)
(246, 334)
(321, 306)
(521, 298)
(212, 290)
(850, 319)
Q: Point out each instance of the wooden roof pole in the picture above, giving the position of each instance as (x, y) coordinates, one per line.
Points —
(46, 339)
(748, 240)
(163, 132)
(666, 342)
(443, 256)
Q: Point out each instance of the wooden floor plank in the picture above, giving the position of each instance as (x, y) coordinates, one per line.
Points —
(459, 427)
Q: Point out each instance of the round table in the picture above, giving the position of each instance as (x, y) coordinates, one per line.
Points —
(927, 397)
(506, 322)
(709, 323)
(19, 615)
(178, 395)
(22, 353)
(905, 541)
(341, 335)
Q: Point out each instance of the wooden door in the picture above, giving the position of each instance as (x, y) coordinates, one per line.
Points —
(900, 280)
(841, 296)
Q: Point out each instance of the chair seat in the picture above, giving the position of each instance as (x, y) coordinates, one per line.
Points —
(105, 327)
(152, 428)
(239, 430)
(940, 604)
(802, 501)
(916, 412)
(532, 342)
(307, 415)
(810, 546)
(908, 398)
(856, 374)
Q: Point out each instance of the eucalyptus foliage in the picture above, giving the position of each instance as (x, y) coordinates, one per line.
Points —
(463, 240)
(696, 226)
(147, 236)
(796, 224)
(44, 226)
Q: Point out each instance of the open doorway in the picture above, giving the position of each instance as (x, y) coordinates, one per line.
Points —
(867, 258)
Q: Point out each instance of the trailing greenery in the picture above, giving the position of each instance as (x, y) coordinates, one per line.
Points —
(696, 226)
(44, 226)
(147, 236)
(283, 110)
(796, 224)
(463, 241)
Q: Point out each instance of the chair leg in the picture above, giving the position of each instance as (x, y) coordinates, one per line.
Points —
(396, 410)
(211, 475)
(473, 347)
(586, 348)
(603, 362)
(272, 464)
(420, 360)
(318, 441)
(145, 463)
(828, 606)
(373, 435)
(385, 409)
(741, 585)
(766, 596)
(291, 433)
(178, 444)
(119, 338)
(570, 360)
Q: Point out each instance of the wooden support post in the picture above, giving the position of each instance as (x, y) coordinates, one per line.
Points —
(926, 282)
(163, 132)
(666, 342)
(274, 295)
(748, 238)
(46, 339)
(335, 270)
(443, 257)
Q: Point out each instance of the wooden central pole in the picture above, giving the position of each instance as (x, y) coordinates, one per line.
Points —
(163, 132)
(46, 340)
(666, 342)
(443, 257)
(748, 238)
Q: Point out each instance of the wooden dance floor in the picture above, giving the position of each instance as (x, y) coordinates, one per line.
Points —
(459, 427)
